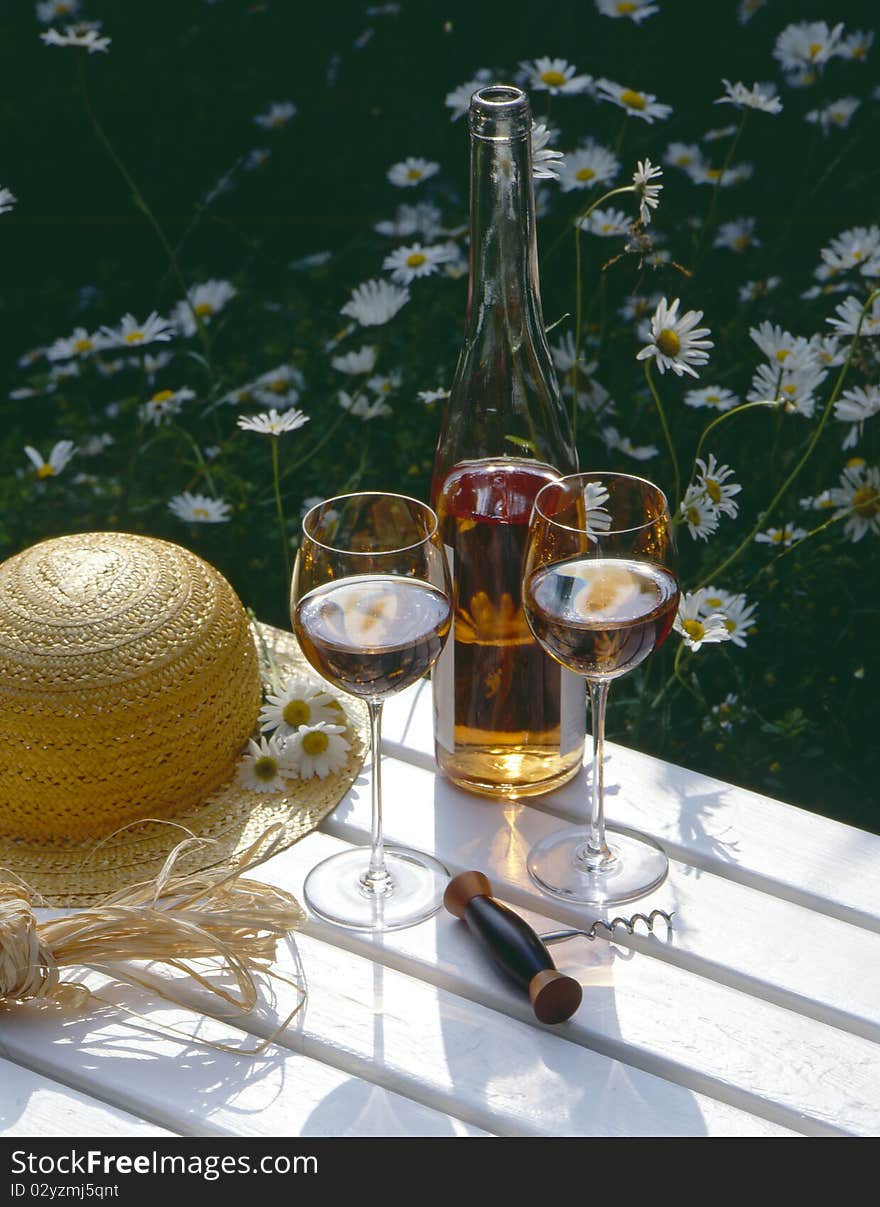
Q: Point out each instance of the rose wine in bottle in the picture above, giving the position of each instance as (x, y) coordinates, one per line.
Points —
(508, 720)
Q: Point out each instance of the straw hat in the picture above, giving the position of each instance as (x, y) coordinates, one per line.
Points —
(130, 681)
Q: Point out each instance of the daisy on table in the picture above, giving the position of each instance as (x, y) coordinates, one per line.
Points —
(859, 494)
(836, 114)
(59, 457)
(199, 509)
(317, 750)
(298, 701)
(677, 343)
(588, 166)
(639, 104)
(737, 235)
(554, 76)
(408, 263)
(265, 766)
(411, 172)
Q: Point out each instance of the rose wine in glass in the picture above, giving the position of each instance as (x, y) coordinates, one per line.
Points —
(370, 608)
(600, 595)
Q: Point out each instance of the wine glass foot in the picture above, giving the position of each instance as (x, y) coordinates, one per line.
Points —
(637, 866)
(335, 890)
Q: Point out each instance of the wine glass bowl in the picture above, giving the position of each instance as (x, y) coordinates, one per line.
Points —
(370, 606)
(600, 594)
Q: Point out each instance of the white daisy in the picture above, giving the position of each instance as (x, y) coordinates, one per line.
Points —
(355, 363)
(93, 446)
(850, 312)
(276, 116)
(85, 38)
(759, 96)
(858, 493)
(384, 384)
(364, 408)
(607, 223)
(737, 235)
(750, 291)
(554, 76)
(784, 536)
(459, 99)
(59, 457)
(204, 300)
(279, 386)
(804, 46)
(695, 627)
(623, 444)
(199, 509)
(677, 343)
(836, 114)
(132, 334)
(79, 343)
(265, 766)
(856, 45)
(375, 302)
(429, 396)
(795, 386)
(56, 10)
(828, 350)
(683, 155)
(317, 750)
(270, 423)
(715, 397)
(407, 263)
(635, 307)
(164, 405)
(780, 346)
(639, 104)
(588, 166)
(298, 701)
(715, 599)
(256, 158)
(854, 406)
(699, 513)
(423, 219)
(647, 193)
(747, 9)
(7, 200)
(636, 10)
(719, 132)
(713, 481)
(411, 172)
(821, 501)
(853, 248)
(738, 615)
(546, 162)
(723, 178)
(592, 396)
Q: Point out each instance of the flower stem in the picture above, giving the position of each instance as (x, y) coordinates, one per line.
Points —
(281, 526)
(677, 477)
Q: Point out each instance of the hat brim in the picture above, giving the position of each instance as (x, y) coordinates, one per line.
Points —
(77, 875)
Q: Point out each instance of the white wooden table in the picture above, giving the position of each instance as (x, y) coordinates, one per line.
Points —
(761, 1016)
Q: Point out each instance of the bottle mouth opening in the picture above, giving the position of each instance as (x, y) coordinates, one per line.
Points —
(500, 111)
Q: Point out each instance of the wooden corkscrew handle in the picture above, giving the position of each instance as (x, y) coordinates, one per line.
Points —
(514, 947)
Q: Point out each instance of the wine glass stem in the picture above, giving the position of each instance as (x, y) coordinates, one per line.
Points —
(596, 850)
(376, 879)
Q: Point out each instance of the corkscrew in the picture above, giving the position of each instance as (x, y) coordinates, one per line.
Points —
(522, 953)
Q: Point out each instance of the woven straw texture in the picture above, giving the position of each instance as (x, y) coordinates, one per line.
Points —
(129, 684)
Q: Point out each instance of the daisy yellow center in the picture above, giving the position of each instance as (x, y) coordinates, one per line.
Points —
(713, 173)
(584, 174)
(778, 537)
(296, 713)
(694, 629)
(278, 119)
(316, 742)
(625, 7)
(265, 768)
(46, 471)
(632, 99)
(416, 259)
(713, 398)
(162, 396)
(713, 490)
(790, 390)
(553, 79)
(134, 337)
(692, 515)
(815, 48)
(859, 52)
(741, 242)
(203, 309)
(855, 462)
(857, 255)
(668, 342)
(866, 501)
(414, 174)
(715, 602)
(782, 354)
(83, 345)
(201, 513)
(278, 386)
(730, 625)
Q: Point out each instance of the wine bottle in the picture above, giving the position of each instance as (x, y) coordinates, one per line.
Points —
(508, 720)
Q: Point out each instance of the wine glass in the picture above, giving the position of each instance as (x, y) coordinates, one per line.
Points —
(370, 607)
(600, 594)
